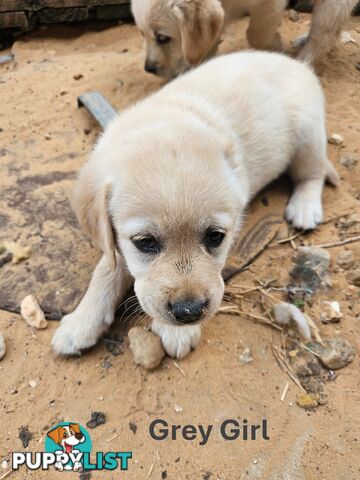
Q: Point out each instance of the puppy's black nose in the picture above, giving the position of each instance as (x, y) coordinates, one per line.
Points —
(151, 67)
(79, 436)
(188, 310)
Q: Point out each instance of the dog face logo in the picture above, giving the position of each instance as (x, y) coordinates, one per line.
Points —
(69, 441)
(67, 436)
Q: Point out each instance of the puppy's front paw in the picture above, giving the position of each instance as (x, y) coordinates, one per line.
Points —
(177, 341)
(304, 214)
(79, 331)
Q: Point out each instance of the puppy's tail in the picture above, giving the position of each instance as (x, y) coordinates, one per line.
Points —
(332, 175)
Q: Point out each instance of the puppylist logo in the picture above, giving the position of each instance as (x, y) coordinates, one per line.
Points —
(68, 448)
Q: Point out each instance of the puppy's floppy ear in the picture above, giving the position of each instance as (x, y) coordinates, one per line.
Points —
(201, 23)
(55, 434)
(90, 202)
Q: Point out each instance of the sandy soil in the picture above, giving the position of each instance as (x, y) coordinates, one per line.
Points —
(43, 142)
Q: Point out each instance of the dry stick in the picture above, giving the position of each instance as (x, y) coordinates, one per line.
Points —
(285, 240)
(284, 392)
(339, 243)
(286, 368)
(6, 474)
(176, 365)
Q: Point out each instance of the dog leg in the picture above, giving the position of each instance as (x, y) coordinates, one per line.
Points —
(308, 170)
(327, 20)
(177, 341)
(265, 20)
(82, 328)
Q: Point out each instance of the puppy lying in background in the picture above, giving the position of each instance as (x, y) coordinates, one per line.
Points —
(165, 189)
(180, 34)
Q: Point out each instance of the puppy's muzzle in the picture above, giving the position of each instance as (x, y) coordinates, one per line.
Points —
(151, 67)
(188, 310)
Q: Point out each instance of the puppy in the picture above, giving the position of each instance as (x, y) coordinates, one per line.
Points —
(165, 189)
(328, 19)
(180, 34)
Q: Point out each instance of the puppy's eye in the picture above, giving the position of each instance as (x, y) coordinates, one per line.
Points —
(162, 39)
(65, 435)
(147, 244)
(213, 238)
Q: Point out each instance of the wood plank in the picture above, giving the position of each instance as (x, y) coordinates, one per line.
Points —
(60, 15)
(36, 5)
(14, 20)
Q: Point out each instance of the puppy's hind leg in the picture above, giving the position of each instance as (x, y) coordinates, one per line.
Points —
(265, 20)
(83, 327)
(309, 169)
(328, 18)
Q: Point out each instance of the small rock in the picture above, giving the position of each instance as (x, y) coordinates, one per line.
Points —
(4, 465)
(335, 139)
(354, 277)
(310, 270)
(345, 37)
(133, 427)
(19, 253)
(85, 475)
(97, 418)
(331, 312)
(5, 257)
(178, 408)
(246, 357)
(287, 314)
(345, 259)
(146, 347)
(336, 353)
(308, 401)
(25, 436)
(2, 347)
(33, 383)
(357, 66)
(349, 160)
(164, 474)
(293, 15)
(31, 312)
(78, 76)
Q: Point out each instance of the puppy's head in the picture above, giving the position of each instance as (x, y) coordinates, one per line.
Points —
(172, 210)
(178, 34)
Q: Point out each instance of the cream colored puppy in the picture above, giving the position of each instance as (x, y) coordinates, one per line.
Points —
(180, 34)
(165, 189)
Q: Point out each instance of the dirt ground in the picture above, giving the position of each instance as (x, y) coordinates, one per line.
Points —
(44, 140)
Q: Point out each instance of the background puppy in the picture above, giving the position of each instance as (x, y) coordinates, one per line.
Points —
(180, 34)
(328, 18)
(164, 191)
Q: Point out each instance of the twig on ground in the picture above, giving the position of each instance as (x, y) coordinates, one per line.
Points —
(176, 365)
(284, 392)
(284, 365)
(285, 240)
(339, 243)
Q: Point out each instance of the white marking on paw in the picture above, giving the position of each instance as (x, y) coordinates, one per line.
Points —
(177, 341)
